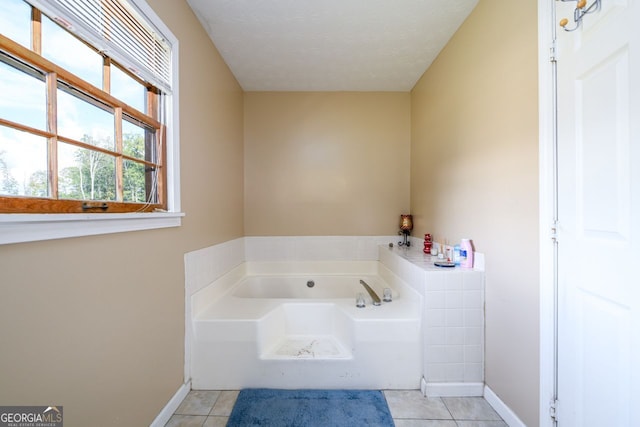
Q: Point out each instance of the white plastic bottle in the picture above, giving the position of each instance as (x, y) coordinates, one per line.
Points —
(466, 253)
(456, 255)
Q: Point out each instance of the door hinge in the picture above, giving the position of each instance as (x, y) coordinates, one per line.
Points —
(553, 52)
(553, 410)
(554, 233)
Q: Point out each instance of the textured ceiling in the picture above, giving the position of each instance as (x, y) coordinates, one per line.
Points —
(330, 45)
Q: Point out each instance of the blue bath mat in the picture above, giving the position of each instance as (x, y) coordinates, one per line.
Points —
(310, 408)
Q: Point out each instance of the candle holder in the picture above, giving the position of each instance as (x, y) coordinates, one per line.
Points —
(406, 225)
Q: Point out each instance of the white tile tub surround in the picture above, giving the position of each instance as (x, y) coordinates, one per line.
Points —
(453, 323)
(201, 268)
(314, 248)
(453, 320)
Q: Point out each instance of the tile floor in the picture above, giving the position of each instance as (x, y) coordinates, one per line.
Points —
(408, 409)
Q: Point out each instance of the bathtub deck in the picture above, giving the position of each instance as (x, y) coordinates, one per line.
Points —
(301, 342)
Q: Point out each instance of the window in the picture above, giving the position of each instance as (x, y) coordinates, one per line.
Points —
(88, 122)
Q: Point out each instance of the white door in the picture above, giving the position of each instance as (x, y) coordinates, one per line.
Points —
(599, 216)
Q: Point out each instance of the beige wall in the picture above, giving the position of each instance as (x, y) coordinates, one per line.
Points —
(326, 163)
(474, 174)
(96, 324)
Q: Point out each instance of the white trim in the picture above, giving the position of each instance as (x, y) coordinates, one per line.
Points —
(173, 108)
(17, 228)
(166, 413)
(423, 386)
(546, 200)
(502, 409)
(173, 140)
(453, 389)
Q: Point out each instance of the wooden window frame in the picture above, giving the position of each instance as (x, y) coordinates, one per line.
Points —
(56, 76)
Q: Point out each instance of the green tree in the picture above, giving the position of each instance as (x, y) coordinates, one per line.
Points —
(37, 185)
(93, 175)
(134, 188)
(8, 184)
(69, 183)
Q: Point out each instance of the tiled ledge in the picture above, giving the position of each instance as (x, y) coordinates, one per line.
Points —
(453, 321)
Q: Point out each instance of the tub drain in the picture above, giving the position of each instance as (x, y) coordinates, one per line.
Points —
(310, 283)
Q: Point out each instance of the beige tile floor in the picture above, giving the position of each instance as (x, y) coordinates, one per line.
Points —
(408, 409)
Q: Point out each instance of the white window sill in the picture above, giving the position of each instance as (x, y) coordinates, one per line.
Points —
(17, 228)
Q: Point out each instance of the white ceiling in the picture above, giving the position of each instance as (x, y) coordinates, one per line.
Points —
(330, 45)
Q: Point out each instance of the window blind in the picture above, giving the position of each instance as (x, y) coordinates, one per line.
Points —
(118, 29)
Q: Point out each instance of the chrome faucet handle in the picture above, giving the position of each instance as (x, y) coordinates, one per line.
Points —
(374, 296)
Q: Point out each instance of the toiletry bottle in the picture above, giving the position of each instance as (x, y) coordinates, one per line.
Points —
(466, 254)
(456, 255)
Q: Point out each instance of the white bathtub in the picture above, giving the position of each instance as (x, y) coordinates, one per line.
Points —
(323, 286)
(262, 326)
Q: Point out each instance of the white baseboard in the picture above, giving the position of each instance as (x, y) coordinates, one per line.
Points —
(423, 386)
(452, 389)
(171, 406)
(502, 409)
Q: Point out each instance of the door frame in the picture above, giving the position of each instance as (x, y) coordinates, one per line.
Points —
(547, 208)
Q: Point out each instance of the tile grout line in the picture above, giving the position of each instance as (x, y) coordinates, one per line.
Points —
(214, 404)
(448, 410)
(481, 420)
(389, 407)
